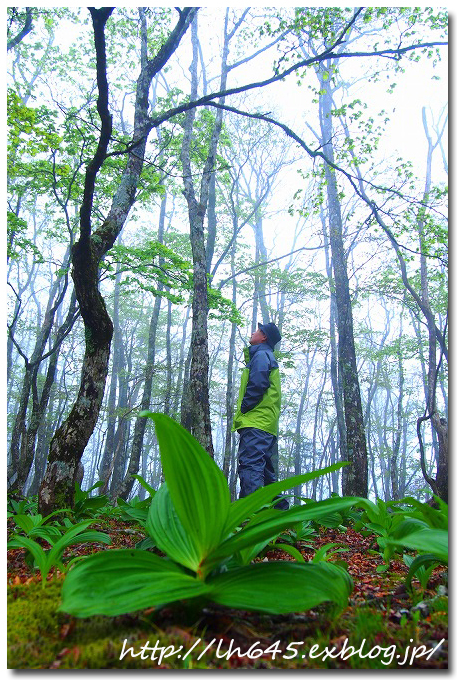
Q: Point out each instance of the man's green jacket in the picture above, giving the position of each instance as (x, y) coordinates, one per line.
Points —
(259, 401)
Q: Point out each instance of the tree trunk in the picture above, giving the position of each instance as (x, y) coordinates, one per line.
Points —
(260, 273)
(394, 473)
(124, 488)
(195, 414)
(108, 452)
(180, 388)
(40, 403)
(355, 475)
(23, 437)
(335, 375)
(70, 440)
(230, 396)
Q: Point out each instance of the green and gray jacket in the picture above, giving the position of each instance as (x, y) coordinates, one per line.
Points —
(259, 401)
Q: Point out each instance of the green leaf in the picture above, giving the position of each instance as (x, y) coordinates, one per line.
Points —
(245, 556)
(97, 485)
(417, 566)
(435, 518)
(50, 534)
(92, 537)
(140, 515)
(321, 554)
(36, 550)
(71, 537)
(164, 527)
(116, 582)
(145, 485)
(27, 522)
(433, 541)
(198, 488)
(274, 522)
(290, 550)
(407, 526)
(331, 521)
(244, 508)
(281, 587)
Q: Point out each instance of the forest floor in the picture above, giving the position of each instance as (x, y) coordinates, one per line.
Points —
(385, 625)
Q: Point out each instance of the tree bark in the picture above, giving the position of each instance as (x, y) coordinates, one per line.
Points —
(124, 488)
(70, 440)
(354, 476)
(229, 395)
(335, 374)
(22, 440)
(195, 412)
(108, 452)
(28, 25)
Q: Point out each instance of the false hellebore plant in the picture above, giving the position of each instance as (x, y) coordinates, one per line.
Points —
(192, 520)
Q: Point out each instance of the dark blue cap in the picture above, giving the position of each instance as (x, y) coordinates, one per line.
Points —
(272, 333)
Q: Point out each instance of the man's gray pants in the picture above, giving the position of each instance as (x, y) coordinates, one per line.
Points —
(255, 464)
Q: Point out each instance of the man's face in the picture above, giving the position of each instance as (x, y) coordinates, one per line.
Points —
(257, 337)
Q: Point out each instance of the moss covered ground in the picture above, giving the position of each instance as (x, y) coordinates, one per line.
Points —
(382, 623)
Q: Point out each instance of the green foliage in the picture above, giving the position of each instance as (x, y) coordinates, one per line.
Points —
(299, 532)
(151, 491)
(17, 239)
(85, 506)
(419, 527)
(434, 517)
(224, 308)
(47, 559)
(150, 264)
(336, 520)
(326, 551)
(33, 526)
(153, 264)
(21, 506)
(193, 522)
(30, 130)
(421, 567)
(136, 508)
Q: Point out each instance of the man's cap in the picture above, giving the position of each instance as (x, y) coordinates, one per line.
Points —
(272, 333)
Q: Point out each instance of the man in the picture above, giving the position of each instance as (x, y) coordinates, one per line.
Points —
(257, 414)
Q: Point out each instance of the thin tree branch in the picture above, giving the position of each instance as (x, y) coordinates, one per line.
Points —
(262, 264)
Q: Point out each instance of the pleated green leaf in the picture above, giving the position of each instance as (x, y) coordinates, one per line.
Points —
(35, 549)
(434, 541)
(281, 587)
(244, 508)
(419, 564)
(151, 491)
(198, 488)
(116, 582)
(275, 521)
(69, 539)
(166, 530)
(290, 550)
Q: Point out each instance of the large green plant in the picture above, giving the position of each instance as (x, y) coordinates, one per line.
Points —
(192, 520)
